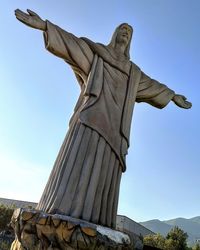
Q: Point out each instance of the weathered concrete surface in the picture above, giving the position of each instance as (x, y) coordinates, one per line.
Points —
(37, 230)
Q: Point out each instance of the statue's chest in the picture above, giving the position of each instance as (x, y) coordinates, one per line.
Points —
(115, 84)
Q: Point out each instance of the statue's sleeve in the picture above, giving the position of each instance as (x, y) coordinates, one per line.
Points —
(72, 49)
(153, 92)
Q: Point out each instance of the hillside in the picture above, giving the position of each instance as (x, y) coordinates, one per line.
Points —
(157, 226)
(191, 226)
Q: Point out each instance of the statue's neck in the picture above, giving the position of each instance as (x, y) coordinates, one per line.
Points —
(120, 48)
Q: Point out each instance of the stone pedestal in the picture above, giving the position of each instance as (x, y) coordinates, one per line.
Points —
(38, 230)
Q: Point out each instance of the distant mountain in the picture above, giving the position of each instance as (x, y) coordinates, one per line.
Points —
(196, 219)
(157, 226)
(191, 226)
(188, 225)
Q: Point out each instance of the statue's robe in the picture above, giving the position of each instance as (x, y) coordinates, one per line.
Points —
(85, 179)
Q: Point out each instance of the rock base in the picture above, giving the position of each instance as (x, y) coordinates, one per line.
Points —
(37, 230)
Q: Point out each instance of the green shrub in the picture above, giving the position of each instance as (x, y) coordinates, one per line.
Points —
(4, 246)
(5, 216)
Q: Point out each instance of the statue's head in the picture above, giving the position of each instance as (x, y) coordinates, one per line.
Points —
(122, 35)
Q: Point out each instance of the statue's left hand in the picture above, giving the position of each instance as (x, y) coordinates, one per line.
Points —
(180, 101)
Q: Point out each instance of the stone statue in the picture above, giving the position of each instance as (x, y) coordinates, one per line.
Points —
(85, 179)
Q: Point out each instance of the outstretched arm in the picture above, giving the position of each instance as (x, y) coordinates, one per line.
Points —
(158, 94)
(61, 43)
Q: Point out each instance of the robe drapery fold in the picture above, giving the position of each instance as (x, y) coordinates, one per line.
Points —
(84, 182)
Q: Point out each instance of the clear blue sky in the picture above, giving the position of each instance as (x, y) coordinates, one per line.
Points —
(39, 91)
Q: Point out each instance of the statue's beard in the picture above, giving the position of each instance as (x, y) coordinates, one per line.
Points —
(122, 40)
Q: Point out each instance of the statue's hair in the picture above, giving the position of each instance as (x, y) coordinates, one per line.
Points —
(113, 39)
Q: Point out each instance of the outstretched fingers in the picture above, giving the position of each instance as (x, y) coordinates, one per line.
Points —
(32, 13)
(188, 105)
(182, 102)
(22, 16)
(31, 19)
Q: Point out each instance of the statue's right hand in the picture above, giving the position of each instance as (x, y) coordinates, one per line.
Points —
(31, 19)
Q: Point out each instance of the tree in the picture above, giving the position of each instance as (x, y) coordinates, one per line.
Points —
(196, 247)
(156, 240)
(176, 239)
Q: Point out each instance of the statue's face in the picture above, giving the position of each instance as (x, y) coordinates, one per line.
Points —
(124, 34)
